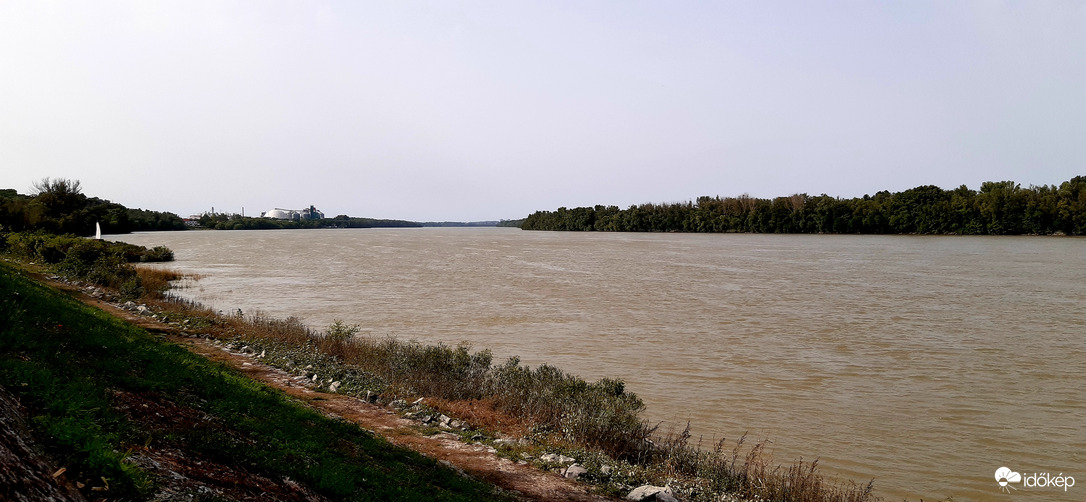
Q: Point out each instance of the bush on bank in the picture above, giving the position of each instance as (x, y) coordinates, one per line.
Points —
(563, 407)
(100, 262)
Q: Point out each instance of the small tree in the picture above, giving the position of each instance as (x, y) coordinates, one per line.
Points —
(60, 197)
(341, 331)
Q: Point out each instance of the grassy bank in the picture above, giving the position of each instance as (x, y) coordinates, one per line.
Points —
(112, 404)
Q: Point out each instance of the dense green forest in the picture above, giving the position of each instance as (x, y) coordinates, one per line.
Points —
(999, 208)
(60, 207)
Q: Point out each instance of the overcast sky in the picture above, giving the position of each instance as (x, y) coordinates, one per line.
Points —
(464, 110)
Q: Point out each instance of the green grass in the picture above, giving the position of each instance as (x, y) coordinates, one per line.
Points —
(66, 362)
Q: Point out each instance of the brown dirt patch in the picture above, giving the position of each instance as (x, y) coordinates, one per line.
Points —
(481, 413)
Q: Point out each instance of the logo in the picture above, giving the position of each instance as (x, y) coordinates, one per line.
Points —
(1006, 478)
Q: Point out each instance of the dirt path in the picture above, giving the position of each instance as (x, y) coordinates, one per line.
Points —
(476, 460)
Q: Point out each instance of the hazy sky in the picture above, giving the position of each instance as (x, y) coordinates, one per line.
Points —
(464, 110)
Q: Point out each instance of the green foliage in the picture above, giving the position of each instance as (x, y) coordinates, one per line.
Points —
(999, 208)
(59, 197)
(100, 262)
(236, 222)
(125, 220)
(77, 252)
(156, 254)
(367, 223)
(341, 331)
(60, 207)
(600, 415)
(416, 369)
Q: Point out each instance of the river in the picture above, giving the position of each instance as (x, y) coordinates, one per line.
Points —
(924, 362)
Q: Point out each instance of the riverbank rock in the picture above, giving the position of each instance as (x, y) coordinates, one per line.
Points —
(574, 471)
(558, 459)
(646, 493)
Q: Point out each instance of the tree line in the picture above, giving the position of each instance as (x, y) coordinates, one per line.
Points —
(60, 207)
(998, 208)
(220, 221)
(50, 228)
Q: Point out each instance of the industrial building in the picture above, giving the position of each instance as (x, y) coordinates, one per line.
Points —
(309, 213)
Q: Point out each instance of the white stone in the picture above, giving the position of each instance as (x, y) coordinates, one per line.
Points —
(574, 471)
(648, 492)
(561, 459)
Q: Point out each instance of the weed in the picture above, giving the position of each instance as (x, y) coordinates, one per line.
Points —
(156, 281)
(339, 331)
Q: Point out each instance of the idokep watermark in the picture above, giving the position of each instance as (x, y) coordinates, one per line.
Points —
(1008, 479)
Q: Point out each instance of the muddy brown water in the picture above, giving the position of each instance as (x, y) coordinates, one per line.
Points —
(925, 363)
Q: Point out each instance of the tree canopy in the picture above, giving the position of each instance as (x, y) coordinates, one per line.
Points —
(60, 207)
(998, 208)
(221, 221)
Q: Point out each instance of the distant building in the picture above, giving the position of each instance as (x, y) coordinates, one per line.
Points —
(309, 213)
(279, 214)
(312, 214)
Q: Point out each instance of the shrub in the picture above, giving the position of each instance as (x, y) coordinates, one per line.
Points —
(34, 246)
(48, 248)
(340, 331)
(156, 254)
(110, 270)
(130, 252)
(80, 258)
(132, 288)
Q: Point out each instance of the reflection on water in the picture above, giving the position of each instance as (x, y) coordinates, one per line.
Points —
(923, 362)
